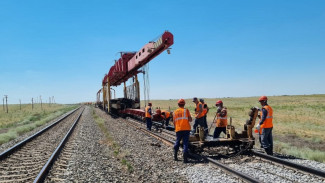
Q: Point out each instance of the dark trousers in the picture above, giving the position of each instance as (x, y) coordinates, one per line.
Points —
(206, 129)
(199, 121)
(266, 138)
(167, 121)
(185, 135)
(149, 123)
(218, 130)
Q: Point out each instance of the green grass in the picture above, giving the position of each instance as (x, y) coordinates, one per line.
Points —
(111, 143)
(18, 122)
(302, 152)
(301, 116)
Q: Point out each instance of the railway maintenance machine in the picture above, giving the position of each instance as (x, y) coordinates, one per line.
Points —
(240, 142)
(128, 66)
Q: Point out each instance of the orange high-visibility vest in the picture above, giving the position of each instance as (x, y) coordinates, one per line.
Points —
(269, 118)
(147, 114)
(167, 114)
(198, 109)
(222, 121)
(204, 110)
(181, 119)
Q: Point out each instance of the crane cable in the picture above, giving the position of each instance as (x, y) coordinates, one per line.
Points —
(146, 84)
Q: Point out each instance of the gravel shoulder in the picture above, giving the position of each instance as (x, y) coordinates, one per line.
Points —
(152, 161)
(91, 159)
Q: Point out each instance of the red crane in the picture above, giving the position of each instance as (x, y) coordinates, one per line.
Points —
(128, 66)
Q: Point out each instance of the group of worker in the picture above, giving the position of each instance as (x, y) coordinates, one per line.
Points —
(182, 119)
(166, 115)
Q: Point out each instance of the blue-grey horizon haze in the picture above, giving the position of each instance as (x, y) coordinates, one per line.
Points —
(221, 48)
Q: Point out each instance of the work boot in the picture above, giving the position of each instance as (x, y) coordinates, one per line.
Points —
(185, 156)
(175, 155)
(269, 151)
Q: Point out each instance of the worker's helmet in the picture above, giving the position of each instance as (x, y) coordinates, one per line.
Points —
(181, 101)
(201, 100)
(262, 98)
(219, 102)
(194, 99)
(149, 104)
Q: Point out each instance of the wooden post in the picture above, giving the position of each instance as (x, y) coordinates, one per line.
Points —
(32, 104)
(40, 98)
(6, 96)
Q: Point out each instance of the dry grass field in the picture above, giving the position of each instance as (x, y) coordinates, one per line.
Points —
(17, 122)
(299, 121)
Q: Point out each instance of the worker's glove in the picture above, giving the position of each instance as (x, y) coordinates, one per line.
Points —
(258, 127)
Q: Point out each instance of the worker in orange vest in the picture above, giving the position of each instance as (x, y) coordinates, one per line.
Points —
(167, 115)
(221, 122)
(148, 113)
(199, 120)
(265, 126)
(205, 112)
(181, 120)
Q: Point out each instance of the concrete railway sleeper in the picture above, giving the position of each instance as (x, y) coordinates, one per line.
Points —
(24, 161)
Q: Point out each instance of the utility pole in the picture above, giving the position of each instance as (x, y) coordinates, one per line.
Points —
(32, 104)
(6, 96)
(20, 103)
(40, 97)
(3, 103)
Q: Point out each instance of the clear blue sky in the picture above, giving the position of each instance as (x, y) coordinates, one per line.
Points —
(63, 48)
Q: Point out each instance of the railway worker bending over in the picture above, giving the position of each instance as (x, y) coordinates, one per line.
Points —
(182, 119)
(148, 113)
(221, 123)
(167, 115)
(199, 116)
(265, 126)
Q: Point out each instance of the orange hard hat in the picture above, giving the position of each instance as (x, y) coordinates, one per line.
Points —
(181, 101)
(219, 102)
(262, 98)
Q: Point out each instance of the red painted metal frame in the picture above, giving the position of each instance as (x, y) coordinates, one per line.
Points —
(141, 114)
(130, 63)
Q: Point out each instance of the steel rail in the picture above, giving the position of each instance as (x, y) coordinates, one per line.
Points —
(220, 165)
(165, 140)
(232, 171)
(46, 168)
(163, 130)
(290, 164)
(12, 149)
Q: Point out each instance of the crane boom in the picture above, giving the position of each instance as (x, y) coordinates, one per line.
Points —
(129, 63)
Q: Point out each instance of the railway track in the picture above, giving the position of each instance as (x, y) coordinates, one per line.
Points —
(31, 159)
(308, 173)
